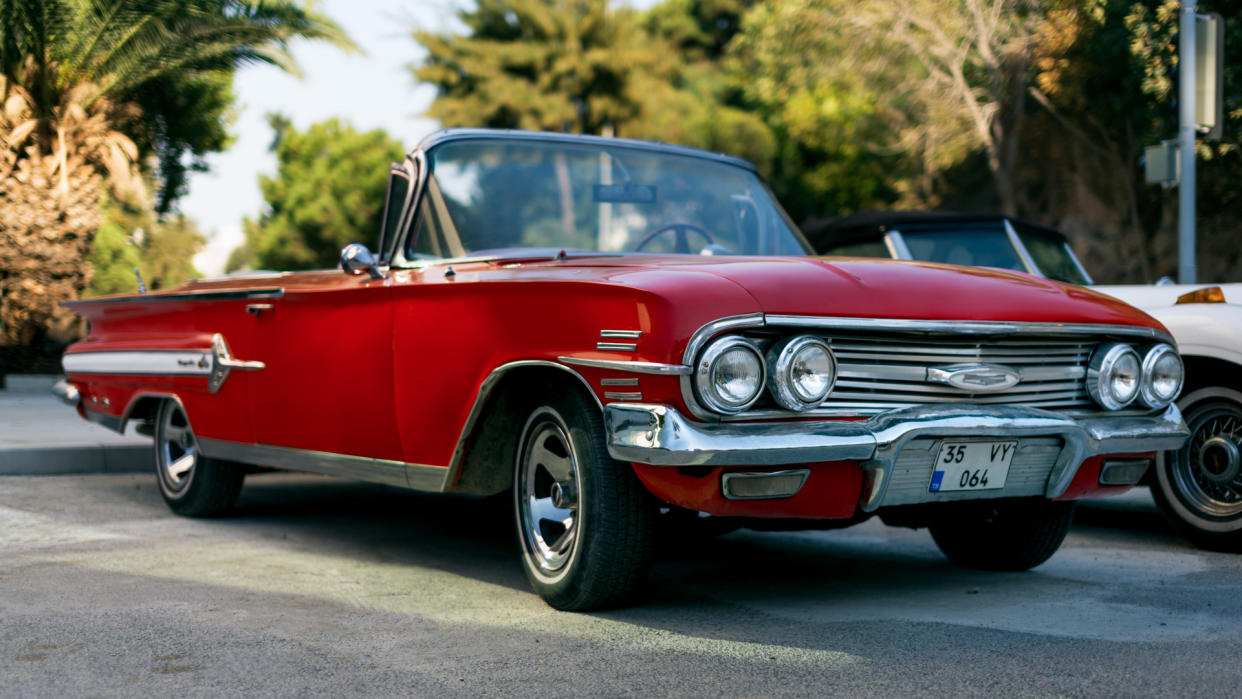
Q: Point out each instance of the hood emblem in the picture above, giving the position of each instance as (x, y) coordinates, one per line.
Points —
(976, 378)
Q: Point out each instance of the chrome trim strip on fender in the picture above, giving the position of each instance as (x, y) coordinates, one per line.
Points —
(161, 362)
(660, 435)
(269, 293)
(965, 327)
(214, 363)
(617, 346)
(631, 334)
(362, 468)
(626, 365)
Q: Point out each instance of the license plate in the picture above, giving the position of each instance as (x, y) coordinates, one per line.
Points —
(972, 466)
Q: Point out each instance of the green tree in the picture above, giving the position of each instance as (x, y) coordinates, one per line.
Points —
(76, 78)
(556, 65)
(328, 192)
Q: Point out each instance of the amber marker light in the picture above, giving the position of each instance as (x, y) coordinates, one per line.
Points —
(1208, 294)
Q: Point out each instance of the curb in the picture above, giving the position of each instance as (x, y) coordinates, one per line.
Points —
(67, 460)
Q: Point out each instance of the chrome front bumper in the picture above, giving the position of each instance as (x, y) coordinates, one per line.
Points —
(660, 435)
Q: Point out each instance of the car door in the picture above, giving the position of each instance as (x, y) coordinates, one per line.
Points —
(327, 382)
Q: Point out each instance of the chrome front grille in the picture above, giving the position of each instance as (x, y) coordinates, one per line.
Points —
(882, 371)
(879, 372)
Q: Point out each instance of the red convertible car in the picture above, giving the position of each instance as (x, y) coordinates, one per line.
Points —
(608, 328)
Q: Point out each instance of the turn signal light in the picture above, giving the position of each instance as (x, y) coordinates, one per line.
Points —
(1209, 294)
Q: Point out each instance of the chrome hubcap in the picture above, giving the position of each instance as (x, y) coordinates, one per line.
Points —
(175, 447)
(547, 493)
(1207, 471)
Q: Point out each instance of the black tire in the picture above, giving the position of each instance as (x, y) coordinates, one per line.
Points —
(1002, 535)
(1199, 487)
(601, 557)
(192, 484)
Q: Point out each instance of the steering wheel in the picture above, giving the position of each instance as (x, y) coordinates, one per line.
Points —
(681, 243)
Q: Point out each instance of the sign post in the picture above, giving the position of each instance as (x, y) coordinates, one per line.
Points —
(1186, 143)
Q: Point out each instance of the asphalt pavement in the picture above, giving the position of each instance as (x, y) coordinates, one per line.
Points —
(329, 588)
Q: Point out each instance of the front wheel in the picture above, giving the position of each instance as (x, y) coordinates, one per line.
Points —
(1199, 487)
(1006, 535)
(584, 521)
(193, 485)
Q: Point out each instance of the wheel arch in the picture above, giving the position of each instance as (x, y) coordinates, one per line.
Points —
(143, 407)
(1203, 371)
(488, 444)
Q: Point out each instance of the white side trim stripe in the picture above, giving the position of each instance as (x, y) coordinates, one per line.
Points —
(162, 362)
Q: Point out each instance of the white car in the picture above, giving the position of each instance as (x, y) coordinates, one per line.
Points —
(1199, 487)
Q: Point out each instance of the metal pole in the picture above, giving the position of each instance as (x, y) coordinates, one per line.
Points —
(1186, 145)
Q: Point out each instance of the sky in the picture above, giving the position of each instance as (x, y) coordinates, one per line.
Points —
(374, 90)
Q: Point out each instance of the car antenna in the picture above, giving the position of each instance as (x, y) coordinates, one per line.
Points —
(142, 288)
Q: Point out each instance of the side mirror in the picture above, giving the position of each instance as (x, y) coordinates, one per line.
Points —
(357, 259)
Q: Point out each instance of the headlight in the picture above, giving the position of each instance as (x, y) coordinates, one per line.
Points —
(1114, 375)
(729, 375)
(1162, 376)
(801, 372)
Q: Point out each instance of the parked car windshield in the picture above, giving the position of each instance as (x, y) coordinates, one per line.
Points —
(992, 247)
(486, 195)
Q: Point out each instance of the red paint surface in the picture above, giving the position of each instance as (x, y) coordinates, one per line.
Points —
(391, 369)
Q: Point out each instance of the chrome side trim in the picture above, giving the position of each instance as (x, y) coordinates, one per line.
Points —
(214, 364)
(67, 393)
(965, 327)
(617, 346)
(195, 362)
(270, 293)
(626, 365)
(619, 395)
(660, 435)
(618, 382)
(632, 334)
(223, 362)
(363, 468)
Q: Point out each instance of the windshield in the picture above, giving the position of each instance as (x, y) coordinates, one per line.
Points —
(486, 195)
(1052, 255)
(977, 247)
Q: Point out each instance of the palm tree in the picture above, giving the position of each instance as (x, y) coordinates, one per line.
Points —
(70, 71)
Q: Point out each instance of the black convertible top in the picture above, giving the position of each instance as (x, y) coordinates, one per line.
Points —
(866, 226)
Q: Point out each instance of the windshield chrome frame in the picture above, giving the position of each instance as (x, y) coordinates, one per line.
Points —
(417, 161)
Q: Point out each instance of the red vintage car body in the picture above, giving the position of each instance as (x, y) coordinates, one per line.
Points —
(392, 369)
(419, 373)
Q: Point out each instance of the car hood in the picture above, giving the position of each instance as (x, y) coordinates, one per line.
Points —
(850, 287)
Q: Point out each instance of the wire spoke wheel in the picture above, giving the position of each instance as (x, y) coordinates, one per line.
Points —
(1199, 487)
(1207, 469)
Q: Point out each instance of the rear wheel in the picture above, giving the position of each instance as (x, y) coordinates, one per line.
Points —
(584, 521)
(1005, 535)
(1199, 487)
(192, 484)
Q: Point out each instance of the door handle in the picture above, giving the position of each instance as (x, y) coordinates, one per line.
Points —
(258, 308)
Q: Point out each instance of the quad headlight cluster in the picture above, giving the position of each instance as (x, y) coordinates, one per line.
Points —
(1118, 375)
(732, 372)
